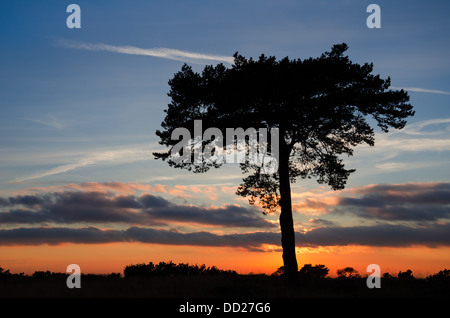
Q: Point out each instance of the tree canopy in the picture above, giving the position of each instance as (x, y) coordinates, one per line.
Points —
(321, 108)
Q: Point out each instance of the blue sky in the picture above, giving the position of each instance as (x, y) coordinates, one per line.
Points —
(61, 103)
(75, 109)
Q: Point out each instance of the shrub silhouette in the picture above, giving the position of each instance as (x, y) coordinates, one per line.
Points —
(443, 275)
(348, 272)
(171, 269)
(317, 271)
(387, 276)
(49, 275)
(279, 271)
(4, 272)
(307, 271)
(405, 275)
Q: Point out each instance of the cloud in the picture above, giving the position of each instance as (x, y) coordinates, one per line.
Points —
(420, 137)
(415, 137)
(385, 235)
(391, 146)
(92, 235)
(392, 166)
(171, 54)
(70, 207)
(50, 121)
(55, 236)
(419, 202)
(400, 215)
(321, 222)
(228, 215)
(421, 90)
(250, 241)
(103, 156)
(418, 127)
(114, 186)
(415, 203)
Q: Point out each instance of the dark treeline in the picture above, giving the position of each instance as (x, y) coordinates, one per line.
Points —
(168, 280)
(185, 269)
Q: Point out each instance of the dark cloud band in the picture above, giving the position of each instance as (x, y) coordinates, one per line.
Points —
(404, 202)
(406, 215)
(380, 235)
(101, 208)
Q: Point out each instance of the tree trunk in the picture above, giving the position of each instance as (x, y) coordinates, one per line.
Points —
(286, 220)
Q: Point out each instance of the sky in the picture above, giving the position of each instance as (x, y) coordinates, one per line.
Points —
(80, 107)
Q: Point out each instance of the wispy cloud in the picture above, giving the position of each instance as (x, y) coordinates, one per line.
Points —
(166, 53)
(421, 90)
(51, 121)
(105, 156)
(418, 128)
(423, 136)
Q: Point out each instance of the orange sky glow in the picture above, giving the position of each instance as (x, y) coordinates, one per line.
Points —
(113, 257)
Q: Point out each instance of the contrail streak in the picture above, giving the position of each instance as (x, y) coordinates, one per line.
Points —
(104, 156)
(421, 90)
(171, 54)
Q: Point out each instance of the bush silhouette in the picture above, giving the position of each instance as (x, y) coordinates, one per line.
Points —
(387, 276)
(348, 272)
(317, 271)
(4, 272)
(443, 275)
(407, 275)
(170, 269)
(279, 271)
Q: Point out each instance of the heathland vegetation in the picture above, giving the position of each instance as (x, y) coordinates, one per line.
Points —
(169, 280)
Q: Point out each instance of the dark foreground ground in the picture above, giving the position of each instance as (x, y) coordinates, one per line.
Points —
(224, 286)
